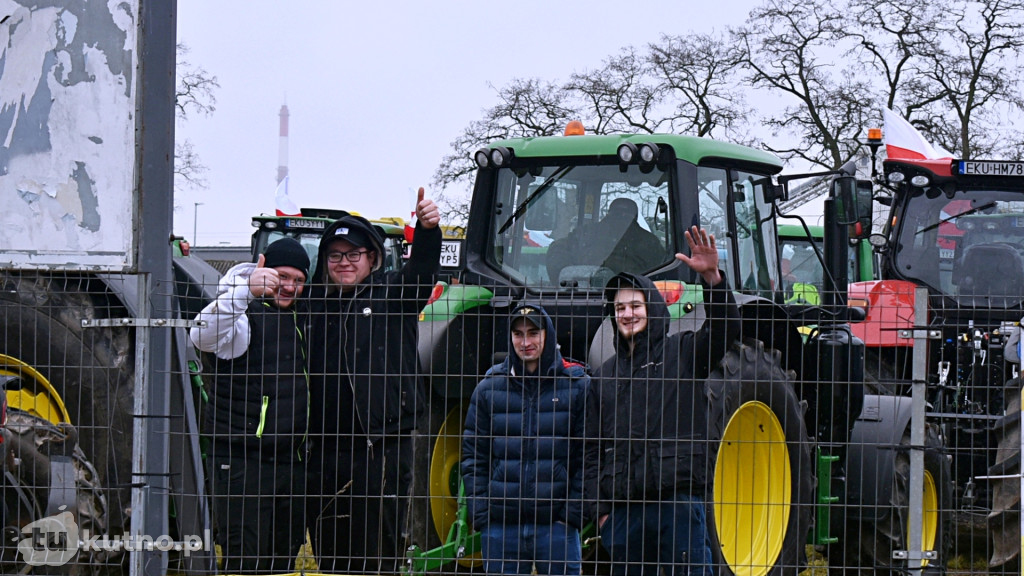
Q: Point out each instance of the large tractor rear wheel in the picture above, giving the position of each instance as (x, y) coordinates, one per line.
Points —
(763, 489)
(869, 541)
(69, 374)
(1004, 520)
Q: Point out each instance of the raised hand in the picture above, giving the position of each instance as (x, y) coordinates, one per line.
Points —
(426, 211)
(703, 258)
(263, 281)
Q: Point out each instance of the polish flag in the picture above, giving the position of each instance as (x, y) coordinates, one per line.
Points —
(903, 141)
(284, 204)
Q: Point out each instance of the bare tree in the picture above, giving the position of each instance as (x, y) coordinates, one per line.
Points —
(976, 66)
(526, 107)
(892, 39)
(785, 48)
(194, 94)
(698, 74)
(618, 97)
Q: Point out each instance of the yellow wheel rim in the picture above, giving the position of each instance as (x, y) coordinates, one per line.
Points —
(445, 477)
(930, 515)
(752, 490)
(36, 396)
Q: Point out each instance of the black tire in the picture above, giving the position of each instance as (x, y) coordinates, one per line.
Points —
(1004, 520)
(867, 544)
(90, 369)
(757, 422)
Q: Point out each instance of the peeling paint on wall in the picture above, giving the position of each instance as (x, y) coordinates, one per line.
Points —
(67, 134)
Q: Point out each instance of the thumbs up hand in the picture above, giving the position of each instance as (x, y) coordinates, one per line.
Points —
(263, 281)
(426, 211)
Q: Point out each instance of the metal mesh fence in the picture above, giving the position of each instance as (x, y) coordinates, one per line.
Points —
(321, 450)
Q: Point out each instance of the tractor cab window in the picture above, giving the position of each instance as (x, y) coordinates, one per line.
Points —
(969, 247)
(575, 226)
(802, 273)
(750, 261)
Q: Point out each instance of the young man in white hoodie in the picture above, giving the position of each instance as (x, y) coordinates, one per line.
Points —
(258, 412)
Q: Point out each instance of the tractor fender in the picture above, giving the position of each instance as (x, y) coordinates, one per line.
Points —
(872, 453)
(125, 288)
(455, 352)
(196, 283)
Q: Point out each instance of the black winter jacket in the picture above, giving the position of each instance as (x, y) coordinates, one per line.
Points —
(366, 339)
(260, 398)
(522, 447)
(652, 404)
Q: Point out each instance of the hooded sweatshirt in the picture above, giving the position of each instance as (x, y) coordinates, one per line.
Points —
(364, 371)
(523, 443)
(652, 403)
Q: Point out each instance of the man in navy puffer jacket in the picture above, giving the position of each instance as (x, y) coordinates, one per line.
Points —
(522, 454)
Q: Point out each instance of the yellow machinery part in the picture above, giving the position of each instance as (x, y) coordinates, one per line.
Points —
(753, 490)
(36, 396)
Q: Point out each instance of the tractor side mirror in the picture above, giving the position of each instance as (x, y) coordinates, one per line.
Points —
(865, 210)
(854, 203)
(844, 190)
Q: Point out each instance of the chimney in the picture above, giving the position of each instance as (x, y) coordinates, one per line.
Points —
(282, 150)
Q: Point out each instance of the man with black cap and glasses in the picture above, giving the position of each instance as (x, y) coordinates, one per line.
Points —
(257, 416)
(367, 395)
(522, 454)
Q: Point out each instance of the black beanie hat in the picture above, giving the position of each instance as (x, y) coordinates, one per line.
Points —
(287, 252)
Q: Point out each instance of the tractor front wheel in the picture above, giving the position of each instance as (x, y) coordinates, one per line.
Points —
(869, 541)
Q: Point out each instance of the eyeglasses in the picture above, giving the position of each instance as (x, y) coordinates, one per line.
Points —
(351, 256)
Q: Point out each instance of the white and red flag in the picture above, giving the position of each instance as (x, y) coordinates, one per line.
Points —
(283, 202)
(902, 140)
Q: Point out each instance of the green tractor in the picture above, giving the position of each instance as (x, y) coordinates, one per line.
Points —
(803, 271)
(546, 225)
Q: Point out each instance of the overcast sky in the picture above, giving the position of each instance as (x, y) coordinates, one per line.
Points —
(378, 90)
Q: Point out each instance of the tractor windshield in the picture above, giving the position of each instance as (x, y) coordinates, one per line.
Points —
(969, 246)
(575, 226)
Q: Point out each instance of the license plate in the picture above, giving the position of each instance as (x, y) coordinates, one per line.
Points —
(451, 253)
(985, 168)
(311, 224)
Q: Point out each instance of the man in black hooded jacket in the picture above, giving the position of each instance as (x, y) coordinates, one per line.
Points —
(651, 414)
(366, 391)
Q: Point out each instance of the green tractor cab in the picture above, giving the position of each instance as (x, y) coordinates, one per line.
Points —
(553, 219)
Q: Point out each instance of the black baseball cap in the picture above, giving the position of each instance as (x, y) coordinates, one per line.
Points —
(353, 235)
(530, 313)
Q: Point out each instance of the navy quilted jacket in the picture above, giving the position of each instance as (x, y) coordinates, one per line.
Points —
(522, 448)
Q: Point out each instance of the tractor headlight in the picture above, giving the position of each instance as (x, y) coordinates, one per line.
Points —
(628, 152)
